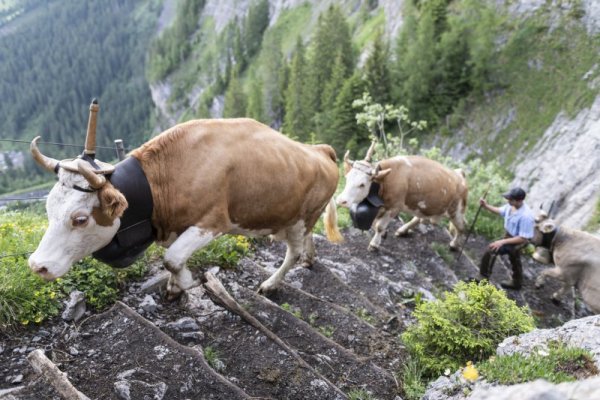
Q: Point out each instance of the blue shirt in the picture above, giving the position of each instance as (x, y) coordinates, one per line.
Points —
(519, 222)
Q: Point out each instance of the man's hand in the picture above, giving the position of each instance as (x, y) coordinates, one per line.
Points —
(495, 246)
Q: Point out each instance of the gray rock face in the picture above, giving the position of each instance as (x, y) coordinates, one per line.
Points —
(565, 166)
(75, 307)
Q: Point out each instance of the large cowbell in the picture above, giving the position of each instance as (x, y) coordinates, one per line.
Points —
(363, 214)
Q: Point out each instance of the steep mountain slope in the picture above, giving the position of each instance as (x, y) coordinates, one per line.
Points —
(546, 96)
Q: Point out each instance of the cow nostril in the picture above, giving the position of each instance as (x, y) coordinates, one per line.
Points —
(42, 270)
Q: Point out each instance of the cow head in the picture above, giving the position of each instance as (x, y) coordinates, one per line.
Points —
(83, 213)
(359, 176)
(545, 229)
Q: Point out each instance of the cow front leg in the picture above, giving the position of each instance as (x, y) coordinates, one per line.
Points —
(178, 253)
(380, 224)
(294, 239)
(403, 230)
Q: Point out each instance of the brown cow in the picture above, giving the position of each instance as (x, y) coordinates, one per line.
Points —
(413, 184)
(576, 258)
(206, 178)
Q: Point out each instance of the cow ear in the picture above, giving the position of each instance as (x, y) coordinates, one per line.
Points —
(112, 202)
(379, 175)
(542, 216)
(548, 227)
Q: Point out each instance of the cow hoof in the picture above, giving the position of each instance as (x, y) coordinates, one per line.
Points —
(453, 248)
(400, 233)
(306, 264)
(266, 291)
(173, 295)
(373, 249)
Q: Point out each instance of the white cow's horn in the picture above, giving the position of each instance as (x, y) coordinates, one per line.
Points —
(46, 162)
(347, 158)
(370, 151)
(96, 181)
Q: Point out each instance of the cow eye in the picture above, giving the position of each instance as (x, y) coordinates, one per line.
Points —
(362, 185)
(79, 221)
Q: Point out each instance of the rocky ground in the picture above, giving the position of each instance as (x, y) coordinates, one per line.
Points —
(330, 332)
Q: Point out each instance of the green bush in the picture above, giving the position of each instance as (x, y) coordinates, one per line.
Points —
(466, 325)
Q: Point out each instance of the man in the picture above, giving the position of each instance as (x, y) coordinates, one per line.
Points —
(519, 223)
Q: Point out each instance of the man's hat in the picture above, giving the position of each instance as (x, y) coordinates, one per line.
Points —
(515, 194)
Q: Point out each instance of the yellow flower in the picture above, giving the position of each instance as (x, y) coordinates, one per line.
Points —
(52, 295)
(470, 373)
(25, 322)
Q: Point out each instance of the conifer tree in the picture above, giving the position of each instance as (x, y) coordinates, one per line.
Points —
(255, 107)
(376, 72)
(325, 119)
(255, 25)
(297, 120)
(272, 75)
(348, 135)
(332, 37)
(235, 99)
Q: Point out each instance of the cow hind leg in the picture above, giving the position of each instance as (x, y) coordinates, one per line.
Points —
(295, 239)
(178, 253)
(308, 257)
(457, 227)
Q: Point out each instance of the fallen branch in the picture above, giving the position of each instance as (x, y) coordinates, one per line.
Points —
(54, 376)
(219, 295)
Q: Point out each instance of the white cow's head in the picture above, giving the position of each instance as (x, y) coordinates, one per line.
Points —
(83, 214)
(359, 176)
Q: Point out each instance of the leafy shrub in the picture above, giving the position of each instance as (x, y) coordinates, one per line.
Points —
(466, 325)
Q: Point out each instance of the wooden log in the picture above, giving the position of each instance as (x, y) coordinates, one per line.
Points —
(219, 295)
(54, 376)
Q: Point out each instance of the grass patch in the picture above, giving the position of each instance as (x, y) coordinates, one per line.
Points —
(292, 310)
(443, 251)
(558, 364)
(212, 358)
(292, 23)
(369, 29)
(412, 378)
(360, 394)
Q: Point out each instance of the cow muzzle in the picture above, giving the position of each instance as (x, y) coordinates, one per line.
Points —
(41, 270)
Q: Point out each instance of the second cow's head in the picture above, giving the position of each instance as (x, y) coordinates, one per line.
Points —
(359, 177)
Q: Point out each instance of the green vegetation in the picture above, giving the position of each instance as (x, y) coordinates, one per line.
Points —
(594, 222)
(467, 324)
(26, 298)
(225, 252)
(292, 310)
(212, 358)
(443, 251)
(558, 364)
(413, 379)
(360, 394)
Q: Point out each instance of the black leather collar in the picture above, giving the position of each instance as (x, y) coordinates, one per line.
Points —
(136, 232)
(548, 242)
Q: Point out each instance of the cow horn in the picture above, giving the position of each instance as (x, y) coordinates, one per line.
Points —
(370, 151)
(96, 181)
(46, 162)
(347, 158)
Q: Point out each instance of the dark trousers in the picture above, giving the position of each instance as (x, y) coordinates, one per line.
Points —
(514, 255)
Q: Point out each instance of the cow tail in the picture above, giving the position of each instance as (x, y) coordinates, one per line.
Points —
(331, 223)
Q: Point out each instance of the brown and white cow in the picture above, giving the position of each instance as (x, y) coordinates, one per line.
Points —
(576, 258)
(207, 178)
(413, 184)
